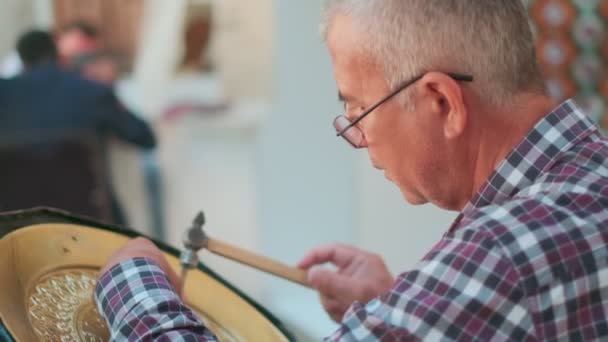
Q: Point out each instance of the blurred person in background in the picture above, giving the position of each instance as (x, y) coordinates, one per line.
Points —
(102, 67)
(48, 98)
(73, 40)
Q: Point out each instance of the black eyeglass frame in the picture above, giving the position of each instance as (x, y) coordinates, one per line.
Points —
(455, 76)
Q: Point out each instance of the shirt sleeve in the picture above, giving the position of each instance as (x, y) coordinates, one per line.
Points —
(139, 303)
(465, 289)
(124, 124)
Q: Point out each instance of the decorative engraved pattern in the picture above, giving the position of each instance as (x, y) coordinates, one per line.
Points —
(61, 308)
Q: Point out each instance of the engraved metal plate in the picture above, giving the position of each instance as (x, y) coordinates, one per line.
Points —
(61, 308)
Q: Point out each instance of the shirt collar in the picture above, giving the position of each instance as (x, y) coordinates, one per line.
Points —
(540, 148)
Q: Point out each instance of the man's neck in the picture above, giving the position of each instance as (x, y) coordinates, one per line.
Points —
(506, 128)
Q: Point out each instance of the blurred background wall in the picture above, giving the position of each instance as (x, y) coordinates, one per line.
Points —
(15, 17)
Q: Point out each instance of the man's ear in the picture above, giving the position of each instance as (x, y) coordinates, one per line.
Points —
(448, 102)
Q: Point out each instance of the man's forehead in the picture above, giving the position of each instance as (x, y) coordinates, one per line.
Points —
(341, 37)
(353, 68)
(345, 42)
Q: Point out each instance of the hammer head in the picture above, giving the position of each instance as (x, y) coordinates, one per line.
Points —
(195, 238)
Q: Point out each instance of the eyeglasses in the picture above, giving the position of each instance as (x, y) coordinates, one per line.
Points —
(348, 130)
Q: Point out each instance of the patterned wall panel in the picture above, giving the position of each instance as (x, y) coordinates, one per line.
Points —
(572, 46)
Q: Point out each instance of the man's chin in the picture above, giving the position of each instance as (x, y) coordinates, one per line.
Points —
(413, 199)
(409, 196)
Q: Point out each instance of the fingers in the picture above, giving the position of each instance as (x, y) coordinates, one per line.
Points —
(337, 254)
(332, 284)
(334, 308)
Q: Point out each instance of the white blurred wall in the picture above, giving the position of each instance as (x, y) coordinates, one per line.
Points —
(15, 17)
(306, 177)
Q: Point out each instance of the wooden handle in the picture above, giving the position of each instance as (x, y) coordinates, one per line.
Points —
(257, 261)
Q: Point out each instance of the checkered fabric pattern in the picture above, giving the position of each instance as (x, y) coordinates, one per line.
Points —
(139, 304)
(526, 260)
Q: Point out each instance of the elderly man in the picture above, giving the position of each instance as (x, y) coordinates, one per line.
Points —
(448, 100)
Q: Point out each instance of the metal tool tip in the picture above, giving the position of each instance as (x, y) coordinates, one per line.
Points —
(199, 220)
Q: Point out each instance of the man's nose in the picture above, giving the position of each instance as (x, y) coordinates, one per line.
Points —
(351, 116)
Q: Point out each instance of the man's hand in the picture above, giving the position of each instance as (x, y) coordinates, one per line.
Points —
(143, 248)
(360, 276)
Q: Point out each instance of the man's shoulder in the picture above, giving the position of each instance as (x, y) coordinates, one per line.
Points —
(572, 192)
(546, 236)
(555, 208)
(585, 162)
(53, 77)
(82, 84)
(70, 79)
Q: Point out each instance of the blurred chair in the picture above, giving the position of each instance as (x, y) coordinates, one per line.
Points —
(62, 170)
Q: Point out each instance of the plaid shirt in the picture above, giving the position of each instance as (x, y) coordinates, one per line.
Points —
(526, 260)
(139, 304)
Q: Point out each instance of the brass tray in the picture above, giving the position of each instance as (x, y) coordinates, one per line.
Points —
(48, 274)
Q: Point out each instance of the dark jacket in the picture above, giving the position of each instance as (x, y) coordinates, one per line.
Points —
(49, 98)
(41, 112)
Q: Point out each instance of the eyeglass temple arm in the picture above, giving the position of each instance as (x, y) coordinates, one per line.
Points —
(378, 104)
(460, 77)
(457, 77)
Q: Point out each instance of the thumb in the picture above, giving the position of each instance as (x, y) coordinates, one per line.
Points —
(330, 283)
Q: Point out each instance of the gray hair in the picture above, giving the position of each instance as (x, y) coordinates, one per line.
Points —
(489, 39)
